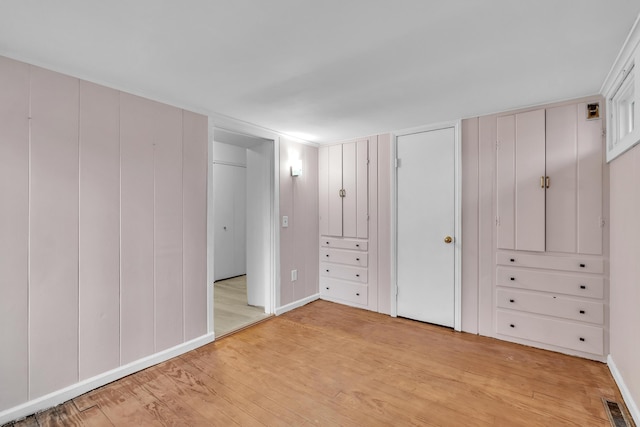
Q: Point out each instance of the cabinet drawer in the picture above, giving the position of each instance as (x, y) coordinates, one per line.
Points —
(344, 257)
(547, 281)
(337, 271)
(551, 305)
(580, 337)
(568, 263)
(335, 242)
(352, 292)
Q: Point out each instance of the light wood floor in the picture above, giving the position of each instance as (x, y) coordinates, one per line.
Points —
(230, 309)
(326, 364)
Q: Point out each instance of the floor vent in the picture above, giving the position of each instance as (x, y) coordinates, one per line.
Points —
(616, 414)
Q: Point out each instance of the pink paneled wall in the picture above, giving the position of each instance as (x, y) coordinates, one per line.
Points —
(299, 243)
(384, 222)
(102, 230)
(624, 291)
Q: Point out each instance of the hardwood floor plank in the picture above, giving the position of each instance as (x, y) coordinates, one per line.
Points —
(330, 365)
(30, 421)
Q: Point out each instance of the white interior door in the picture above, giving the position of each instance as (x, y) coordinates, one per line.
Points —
(426, 217)
(229, 219)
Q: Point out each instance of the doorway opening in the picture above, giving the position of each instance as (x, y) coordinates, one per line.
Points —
(241, 205)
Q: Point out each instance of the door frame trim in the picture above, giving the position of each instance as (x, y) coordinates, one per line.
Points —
(272, 292)
(456, 125)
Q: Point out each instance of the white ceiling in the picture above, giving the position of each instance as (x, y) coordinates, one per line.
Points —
(328, 70)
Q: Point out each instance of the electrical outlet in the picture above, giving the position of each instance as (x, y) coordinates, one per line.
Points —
(294, 275)
(285, 221)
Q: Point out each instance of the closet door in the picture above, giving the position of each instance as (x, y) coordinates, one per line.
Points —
(530, 173)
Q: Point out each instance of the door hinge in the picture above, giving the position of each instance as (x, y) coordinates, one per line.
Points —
(497, 145)
(368, 161)
(602, 221)
(498, 221)
(397, 162)
(604, 132)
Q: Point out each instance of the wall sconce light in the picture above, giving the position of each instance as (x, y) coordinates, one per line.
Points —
(296, 167)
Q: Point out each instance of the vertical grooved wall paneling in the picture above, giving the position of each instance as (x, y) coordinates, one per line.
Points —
(194, 216)
(384, 223)
(487, 136)
(287, 242)
(53, 287)
(102, 230)
(470, 169)
(14, 232)
(590, 175)
(167, 174)
(137, 294)
(299, 244)
(368, 222)
(99, 274)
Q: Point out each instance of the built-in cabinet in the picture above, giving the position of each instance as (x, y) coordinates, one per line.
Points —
(347, 190)
(344, 189)
(550, 278)
(549, 181)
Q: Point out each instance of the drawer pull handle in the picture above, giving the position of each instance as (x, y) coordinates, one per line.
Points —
(512, 259)
(357, 259)
(583, 287)
(512, 300)
(581, 311)
(512, 325)
(582, 339)
(357, 246)
(583, 265)
(357, 275)
(327, 255)
(357, 294)
(327, 271)
(513, 278)
(327, 288)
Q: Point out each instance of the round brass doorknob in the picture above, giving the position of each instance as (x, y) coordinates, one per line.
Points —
(448, 239)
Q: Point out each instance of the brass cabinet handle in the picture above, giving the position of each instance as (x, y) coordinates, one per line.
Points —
(548, 181)
(448, 239)
(542, 182)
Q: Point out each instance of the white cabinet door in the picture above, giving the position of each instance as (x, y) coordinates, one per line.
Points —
(530, 171)
(335, 185)
(426, 215)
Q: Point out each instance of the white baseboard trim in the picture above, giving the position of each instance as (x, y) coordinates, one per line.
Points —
(626, 394)
(296, 304)
(75, 390)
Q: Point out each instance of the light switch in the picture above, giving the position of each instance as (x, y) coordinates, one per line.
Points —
(285, 221)
(294, 275)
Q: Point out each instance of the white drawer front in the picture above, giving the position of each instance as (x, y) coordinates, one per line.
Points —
(568, 263)
(547, 281)
(352, 292)
(580, 337)
(337, 271)
(568, 308)
(340, 256)
(335, 242)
